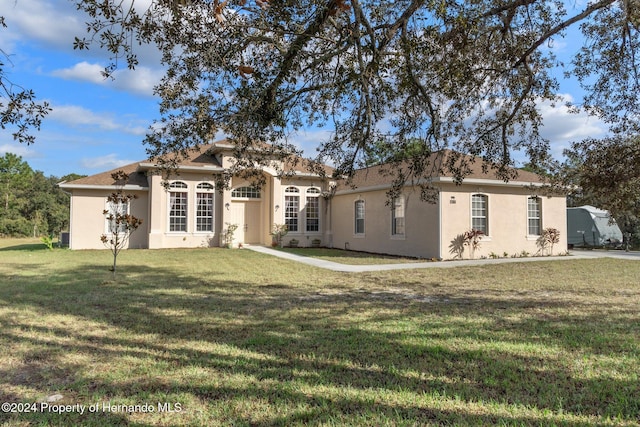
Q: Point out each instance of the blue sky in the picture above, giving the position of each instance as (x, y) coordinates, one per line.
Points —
(99, 124)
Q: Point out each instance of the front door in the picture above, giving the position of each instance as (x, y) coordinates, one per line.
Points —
(246, 214)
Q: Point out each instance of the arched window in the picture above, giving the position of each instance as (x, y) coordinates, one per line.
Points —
(480, 213)
(204, 207)
(178, 206)
(313, 209)
(291, 208)
(246, 193)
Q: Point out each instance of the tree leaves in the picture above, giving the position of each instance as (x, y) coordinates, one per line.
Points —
(462, 75)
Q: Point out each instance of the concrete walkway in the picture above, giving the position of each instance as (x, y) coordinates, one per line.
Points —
(334, 266)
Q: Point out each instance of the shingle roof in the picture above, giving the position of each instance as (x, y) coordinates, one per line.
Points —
(104, 178)
(201, 157)
(384, 174)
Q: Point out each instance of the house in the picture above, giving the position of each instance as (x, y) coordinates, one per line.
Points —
(189, 211)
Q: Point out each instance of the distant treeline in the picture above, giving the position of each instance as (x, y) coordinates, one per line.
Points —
(30, 203)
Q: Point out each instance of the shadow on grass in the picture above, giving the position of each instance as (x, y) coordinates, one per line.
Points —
(307, 356)
(30, 247)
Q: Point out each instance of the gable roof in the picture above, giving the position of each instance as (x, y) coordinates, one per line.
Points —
(382, 176)
(136, 179)
(200, 159)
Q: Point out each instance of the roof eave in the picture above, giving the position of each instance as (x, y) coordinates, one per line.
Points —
(447, 180)
(151, 166)
(128, 187)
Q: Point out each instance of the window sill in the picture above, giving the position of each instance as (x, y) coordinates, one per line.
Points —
(398, 237)
(532, 238)
(359, 236)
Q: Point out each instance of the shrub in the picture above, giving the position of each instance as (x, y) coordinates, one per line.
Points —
(472, 239)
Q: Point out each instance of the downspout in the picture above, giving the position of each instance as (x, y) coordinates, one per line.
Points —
(440, 224)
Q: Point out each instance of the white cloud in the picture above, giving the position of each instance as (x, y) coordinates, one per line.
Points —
(561, 127)
(76, 116)
(103, 163)
(51, 22)
(309, 140)
(140, 81)
(17, 149)
(82, 71)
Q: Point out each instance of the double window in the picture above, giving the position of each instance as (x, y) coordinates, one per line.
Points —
(534, 216)
(293, 215)
(201, 206)
(480, 213)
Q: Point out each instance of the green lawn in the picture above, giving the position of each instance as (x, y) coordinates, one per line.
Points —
(234, 337)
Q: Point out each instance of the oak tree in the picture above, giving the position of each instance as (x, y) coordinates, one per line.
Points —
(466, 75)
(20, 111)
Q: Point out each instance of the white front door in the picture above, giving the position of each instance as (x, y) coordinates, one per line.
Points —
(246, 214)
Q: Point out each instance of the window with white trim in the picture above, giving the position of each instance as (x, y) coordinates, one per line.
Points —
(312, 215)
(359, 217)
(534, 216)
(204, 207)
(178, 206)
(479, 213)
(291, 208)
(397, 217)
(246, 193)
(111, 212)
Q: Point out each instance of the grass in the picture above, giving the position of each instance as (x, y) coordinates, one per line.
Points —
(236, 338)
(348, 257)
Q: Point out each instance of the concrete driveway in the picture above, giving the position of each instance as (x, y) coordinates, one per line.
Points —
(334, 266)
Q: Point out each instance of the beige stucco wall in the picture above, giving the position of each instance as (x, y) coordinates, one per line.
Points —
(88, 223)
(507, 212)
(432, 228)
(421, 224)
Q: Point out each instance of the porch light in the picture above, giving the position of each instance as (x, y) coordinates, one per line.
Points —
(226, 205)
(277, 207)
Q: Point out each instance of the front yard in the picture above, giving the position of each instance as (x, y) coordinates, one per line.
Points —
(233, 337)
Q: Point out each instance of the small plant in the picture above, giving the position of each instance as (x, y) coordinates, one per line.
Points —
(505, 254)
(549, 237)
(315, 243)
(278, 232)
(293, 243)
(472, 239)
(494, 255)
(227, 235)
(47, 241)
(120, 223)
(524, 254)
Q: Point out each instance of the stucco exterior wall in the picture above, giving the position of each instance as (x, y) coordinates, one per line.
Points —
(87, 222)
(507, 220)
(421, 237)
